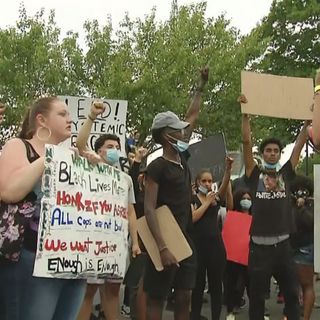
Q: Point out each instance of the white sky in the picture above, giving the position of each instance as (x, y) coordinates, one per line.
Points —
(71, 14)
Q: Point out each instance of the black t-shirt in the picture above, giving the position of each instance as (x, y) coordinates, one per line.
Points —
(174, 185)
(271, 203)
(207, 225)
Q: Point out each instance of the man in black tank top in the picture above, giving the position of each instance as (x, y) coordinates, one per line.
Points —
(272, 221)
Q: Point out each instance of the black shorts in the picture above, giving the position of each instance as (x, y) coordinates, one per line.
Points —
(158, 284)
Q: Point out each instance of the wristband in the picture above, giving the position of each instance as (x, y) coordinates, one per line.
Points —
(317, 88)
(92, 119)
(163, 248)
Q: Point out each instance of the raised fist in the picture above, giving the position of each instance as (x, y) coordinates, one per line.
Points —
(97, 108)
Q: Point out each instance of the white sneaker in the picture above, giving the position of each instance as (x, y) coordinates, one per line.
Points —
(266, 318)
(231, 316)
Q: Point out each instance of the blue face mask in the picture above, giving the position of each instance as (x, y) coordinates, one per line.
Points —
(245, 204)
(202, 189)
(180, 146)
(271, 166)
(112, 156)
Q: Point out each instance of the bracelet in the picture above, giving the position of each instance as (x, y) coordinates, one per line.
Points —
(92, 119)
(317, 88)
(163, 248)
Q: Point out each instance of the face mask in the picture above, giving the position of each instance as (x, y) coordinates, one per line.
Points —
(112, 156)
(245, 204)
(271, 166)
(202, 189)
(180, 146)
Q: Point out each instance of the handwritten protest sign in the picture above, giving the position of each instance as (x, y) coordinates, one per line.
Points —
(83, 224)
(113, 120)
(277, 96)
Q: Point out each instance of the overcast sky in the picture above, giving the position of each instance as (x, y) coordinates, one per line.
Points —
(71, 14)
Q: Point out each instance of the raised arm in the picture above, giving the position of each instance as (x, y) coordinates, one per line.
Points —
(316, 113)
(17, 175)
(246, 140)
(83, 135)
(300, 142)
(194, 107)
(226, 179)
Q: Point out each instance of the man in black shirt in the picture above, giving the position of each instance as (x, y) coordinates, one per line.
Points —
(272, 221)
(168, 183)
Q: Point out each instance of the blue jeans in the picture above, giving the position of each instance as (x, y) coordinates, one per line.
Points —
(10, 291)
(41, 298)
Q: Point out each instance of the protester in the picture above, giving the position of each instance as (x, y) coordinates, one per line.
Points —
(134, 276)
(272, 221)
(236, 277)
(315, 130)
(211, 254)
(107, 150)
(302, 240)
(168, 182)
(21, 166)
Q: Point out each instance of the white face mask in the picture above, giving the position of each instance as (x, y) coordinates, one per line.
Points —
(203, 190)
(245, 204)
(271, 166)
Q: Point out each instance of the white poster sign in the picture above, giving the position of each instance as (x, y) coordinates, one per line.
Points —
(83, 226)
(113, 120)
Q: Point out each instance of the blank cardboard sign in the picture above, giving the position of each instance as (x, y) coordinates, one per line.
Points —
(277, 96)
(171, 233)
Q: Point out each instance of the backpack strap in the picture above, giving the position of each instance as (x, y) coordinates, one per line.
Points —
(32, 154)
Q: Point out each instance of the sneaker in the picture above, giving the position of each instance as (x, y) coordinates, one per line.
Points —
(125, 311)
(231, 316)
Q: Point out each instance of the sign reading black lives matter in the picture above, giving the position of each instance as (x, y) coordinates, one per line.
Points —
(83, 226)
(209, 153)
(113, 120)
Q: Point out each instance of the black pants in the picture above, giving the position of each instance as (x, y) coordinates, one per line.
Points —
(265, 261)
(211, 258)
(236, 280)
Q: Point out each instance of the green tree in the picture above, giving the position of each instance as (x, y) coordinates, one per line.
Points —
(33, 63)
(291, 30)
(154, 66)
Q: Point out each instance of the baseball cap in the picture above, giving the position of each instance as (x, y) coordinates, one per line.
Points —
(168, 119)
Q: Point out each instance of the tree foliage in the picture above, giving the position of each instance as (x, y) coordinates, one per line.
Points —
(154, 65)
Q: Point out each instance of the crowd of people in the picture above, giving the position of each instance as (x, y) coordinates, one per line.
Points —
(279, 201)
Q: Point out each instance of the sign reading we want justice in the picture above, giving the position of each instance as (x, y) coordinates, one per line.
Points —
(83, 224)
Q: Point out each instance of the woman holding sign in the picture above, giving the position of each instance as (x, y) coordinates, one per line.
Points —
(211, 254)
(21, 166)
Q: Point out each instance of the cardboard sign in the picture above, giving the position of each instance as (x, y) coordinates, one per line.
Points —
(113, 120)
(83, 226)
(235, 234)
(277, 96)
(209, 153)
(172, 236)
(316, 179)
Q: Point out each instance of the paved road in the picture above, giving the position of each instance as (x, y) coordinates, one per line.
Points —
(274, 308)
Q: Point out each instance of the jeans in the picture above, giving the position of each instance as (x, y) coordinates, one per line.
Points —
(10, 291)
(39, 298)
(268, 260)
